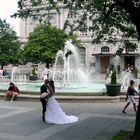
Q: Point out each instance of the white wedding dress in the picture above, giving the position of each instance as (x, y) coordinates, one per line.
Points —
(54, 113)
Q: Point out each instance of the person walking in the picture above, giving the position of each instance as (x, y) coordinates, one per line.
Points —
(139, 87)
(130, 97)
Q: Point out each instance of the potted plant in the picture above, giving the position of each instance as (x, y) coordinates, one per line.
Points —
(135, 73)
(113, 88)
(34, 75)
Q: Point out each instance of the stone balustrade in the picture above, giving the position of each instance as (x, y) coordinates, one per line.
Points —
(15, 78)
(4, 78)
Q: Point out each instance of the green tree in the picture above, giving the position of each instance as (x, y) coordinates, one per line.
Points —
(43, 44)
(110, 20)
(9, 45)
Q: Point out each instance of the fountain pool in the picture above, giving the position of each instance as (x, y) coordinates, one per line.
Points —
(91, 88)
(67, 73)
(73, 88)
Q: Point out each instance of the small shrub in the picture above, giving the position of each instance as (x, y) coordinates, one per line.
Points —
(113, 77)
(135, 72)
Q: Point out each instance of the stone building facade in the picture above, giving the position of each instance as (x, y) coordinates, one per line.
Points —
(95, 58)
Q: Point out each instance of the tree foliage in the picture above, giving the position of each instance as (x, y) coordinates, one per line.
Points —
(109, 20)
(9, 45)
(43, 44)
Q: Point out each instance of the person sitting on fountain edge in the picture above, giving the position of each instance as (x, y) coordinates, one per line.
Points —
(12, 92)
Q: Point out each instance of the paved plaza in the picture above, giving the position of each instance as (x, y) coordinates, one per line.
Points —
(20, 120)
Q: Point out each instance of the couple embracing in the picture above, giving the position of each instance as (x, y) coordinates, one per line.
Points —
(51, 110)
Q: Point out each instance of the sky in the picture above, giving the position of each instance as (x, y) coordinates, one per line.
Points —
(7, 8)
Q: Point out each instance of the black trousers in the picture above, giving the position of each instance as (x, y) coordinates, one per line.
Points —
(44, 104)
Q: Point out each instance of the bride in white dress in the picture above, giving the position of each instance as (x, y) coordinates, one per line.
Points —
(54, 113)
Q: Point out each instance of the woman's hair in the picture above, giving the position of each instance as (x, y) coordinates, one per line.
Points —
(51, 82)
(131, 82)
(11, 83)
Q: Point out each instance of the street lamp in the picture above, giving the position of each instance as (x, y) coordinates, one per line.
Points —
(1, 23)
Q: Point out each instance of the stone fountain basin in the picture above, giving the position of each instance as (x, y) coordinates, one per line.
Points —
(73, 88)
(30, 87)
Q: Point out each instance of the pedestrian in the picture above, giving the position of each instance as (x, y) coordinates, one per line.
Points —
(107, 73)
(130, 97)
(139, 87)
(119, 68)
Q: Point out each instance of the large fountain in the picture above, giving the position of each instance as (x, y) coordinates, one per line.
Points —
(67, 72)
(67, 69)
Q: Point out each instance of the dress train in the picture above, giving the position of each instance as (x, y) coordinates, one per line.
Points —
(54, 113)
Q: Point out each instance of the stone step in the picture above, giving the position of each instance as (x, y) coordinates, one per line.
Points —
(86, 99)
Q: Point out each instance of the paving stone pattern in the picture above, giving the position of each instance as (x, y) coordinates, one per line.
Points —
(21, 120)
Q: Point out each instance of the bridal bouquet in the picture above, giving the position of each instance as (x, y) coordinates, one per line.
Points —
(44, 95)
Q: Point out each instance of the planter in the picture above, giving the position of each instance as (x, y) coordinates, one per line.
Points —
(113, 90)
(33, 77)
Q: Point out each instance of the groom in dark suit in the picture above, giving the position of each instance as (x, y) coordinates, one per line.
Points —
(44, 97)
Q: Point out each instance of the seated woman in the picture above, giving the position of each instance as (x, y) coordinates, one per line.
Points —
(12, 92)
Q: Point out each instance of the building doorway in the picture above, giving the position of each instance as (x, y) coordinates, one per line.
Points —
(129, 60)
(104, 61)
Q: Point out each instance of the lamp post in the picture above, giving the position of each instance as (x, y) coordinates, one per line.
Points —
(1, 23)
(1, 26)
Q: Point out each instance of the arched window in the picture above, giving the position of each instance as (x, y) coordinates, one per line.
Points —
(105, 49)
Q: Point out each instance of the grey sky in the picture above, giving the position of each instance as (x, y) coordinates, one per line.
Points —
(7, 8)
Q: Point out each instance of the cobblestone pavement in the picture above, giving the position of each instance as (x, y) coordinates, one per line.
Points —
(21, 120)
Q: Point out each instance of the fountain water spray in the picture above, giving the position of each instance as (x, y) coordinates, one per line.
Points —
(17, 76)
(67, 67)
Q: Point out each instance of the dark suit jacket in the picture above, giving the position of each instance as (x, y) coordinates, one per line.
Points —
(43, 89)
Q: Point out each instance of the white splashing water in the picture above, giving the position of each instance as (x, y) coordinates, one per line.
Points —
(67, 66)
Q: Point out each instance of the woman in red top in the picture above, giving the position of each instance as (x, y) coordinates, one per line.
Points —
(12, 92)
